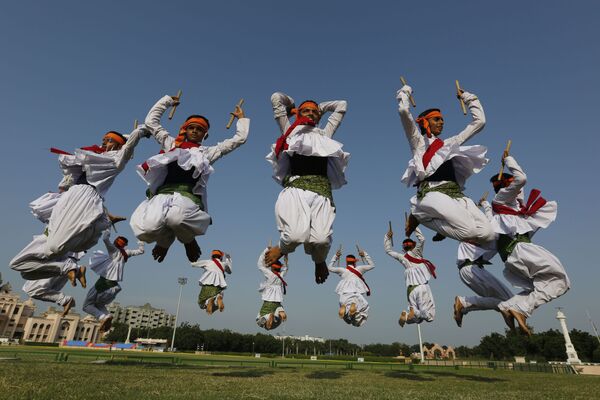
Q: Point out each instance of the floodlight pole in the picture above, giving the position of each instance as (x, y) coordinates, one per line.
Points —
(182, 281)
(420, 343)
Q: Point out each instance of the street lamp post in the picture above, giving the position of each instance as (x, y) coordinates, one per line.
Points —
(182, 281)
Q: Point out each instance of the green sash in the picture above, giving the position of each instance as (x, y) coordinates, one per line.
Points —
(183, 189)
(318, 184)
(103, 284)
(269, 307)
(208, 292)
(450, 189)
(506, 244)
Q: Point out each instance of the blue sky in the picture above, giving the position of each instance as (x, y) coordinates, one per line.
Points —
(72, 70)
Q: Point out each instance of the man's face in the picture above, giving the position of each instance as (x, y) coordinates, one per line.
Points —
(436, 125)
(311, 113)
(110, 144)
(195, 133)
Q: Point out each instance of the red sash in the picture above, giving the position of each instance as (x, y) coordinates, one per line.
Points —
(124, 254)
(219, 265)
(183, 145)
(357, 273)
(59, 151)
(534, 203)
(427, 263)
(431, 150)
(277, 274)
(94, 148)
(281, 143)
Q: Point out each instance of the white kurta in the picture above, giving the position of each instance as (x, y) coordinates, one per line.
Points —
(304, 217)
(459, 219)
(111, 266)
(417, 275)
(271, 288)
(212, 273)
(166, 217)
(529, 267)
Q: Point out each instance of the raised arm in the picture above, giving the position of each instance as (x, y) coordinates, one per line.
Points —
(110, 247)
(227, 263)
(418, 250)
(136, 252)
(487, 209)
(387, 245)
(411, 129)
(338, 110)
(200, 263)
(126, 152)
(509, 194)
(152, 121)
(332, 268)
(369, 266)
(281, 104)
(476, 124)
(242, 127)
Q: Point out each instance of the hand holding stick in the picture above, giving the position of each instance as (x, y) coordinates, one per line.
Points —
(410, 97)
(483, 198)
(459, 92)
(239, 105)
(361, 253)
(390, 232)
(178, 98)
(504, 155)
(338, 254)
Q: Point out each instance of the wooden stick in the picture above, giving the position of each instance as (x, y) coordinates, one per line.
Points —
(270, 243)
(390, 226)
(506, 150)
(358, 250)
(462, 103)
(135, 124)
(485, 196)
(285, 260)
(340, 251)
(175, 107)
(239, 104)
(410, 97)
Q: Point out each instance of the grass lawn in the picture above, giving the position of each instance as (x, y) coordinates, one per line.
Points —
(42, 379)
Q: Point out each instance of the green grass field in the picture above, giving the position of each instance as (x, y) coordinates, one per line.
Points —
(38, 376)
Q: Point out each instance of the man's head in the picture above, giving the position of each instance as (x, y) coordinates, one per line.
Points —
(218, 254)
(113, 140)
(501, 183)
(350, 259)
(120, 242)
(431, 122)
(276, 266)
(408, 244)
(194, 129)
(310, 109)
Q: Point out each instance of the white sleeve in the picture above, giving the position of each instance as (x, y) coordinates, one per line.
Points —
(126, 152)
(418, 250)
(261, 264)
(200, 263)
(332, 268)
(387, 245)
(338, 110)
(242, 127)
(152, 122)
(370, 264)
(411, 129)
(476, 124)
(281, 102)
(509, 194)
(136, 252)
(487, 210)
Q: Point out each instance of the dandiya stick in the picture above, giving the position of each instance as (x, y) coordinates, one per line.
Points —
(175, 107)
(340, 251)
(462, 103)
(135, 124)
(410, 97)
(502, 166)
(390, 226)
(239, 104)
(358, 250)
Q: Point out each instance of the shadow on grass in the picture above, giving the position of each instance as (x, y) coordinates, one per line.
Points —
(250, 373)
(411, 376)
(474, 378)
(324, 375)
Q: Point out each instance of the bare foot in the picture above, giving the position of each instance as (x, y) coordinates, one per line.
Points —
(192, 250)
(115, 218)
(272, 255)
(321, 272)
(159, 253)
(438, 237)
(509, 320)
(411, 314)
(72, 275)
(210, 306)
(67, 307)
(282, 315)
(352, 310)
(342, 311)
(402, 319)
(106, 324)
(269, 324)
(220, 303)
(410, 225)
(81, 276)
(522, 321)
(458, 315)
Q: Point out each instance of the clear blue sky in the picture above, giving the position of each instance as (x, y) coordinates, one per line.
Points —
(72, 70)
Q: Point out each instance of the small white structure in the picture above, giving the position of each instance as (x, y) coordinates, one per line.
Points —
(149, 344)
(572, 357)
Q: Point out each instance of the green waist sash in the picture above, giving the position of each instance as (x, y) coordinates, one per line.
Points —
(269, 307)
(183, 189)
(318, 184)
(506, 244)
(450, 189)
(103, 284)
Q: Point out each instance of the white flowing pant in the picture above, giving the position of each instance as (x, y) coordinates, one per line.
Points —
(362, 308)
(165, 217)
(49, 290)
(459, 219)
(95, 302)
(33, 263)
(490, 289)
(539, 273)
(421, 300)
(304, 217)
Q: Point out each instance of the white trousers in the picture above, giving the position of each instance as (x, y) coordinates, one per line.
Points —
(95, 302)
(539, 273)
(304, 217)
(362, 308)
(491, 291)
(77, 221)
(33, 263)
(49, 290)
(421, 300)
(459, 219)
(165, 217)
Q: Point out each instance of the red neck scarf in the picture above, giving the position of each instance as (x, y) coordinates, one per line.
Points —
(431, 150)
(281, 143)
(277, 274)
(219, 265)
(360, 276)
(427, 263)
(94, 148)
(123, 253)
(534, 203)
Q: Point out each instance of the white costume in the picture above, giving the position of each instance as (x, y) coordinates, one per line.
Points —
(304, 210)
(110, 269)
(440, 204)
(212, 280)
(42, 207)
(527, 266)
(50, 289)
(417, 278)
(491, 291)
(351, 289)
(272, 290)
(178, 208)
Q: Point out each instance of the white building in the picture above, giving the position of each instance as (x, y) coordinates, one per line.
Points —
(145, 316)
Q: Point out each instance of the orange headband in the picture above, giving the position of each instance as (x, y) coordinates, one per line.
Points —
(276, 265)
(117, 138)
(217, 253)
(307, 104)
(350, 259)
(423, 121)
(181, 136)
